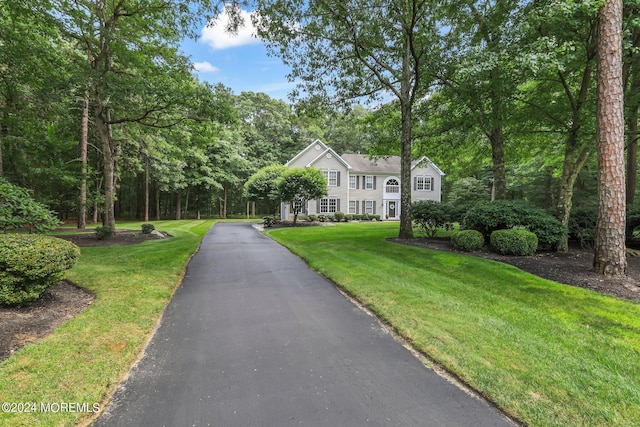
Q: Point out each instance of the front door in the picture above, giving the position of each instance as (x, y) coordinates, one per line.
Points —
(392, 210)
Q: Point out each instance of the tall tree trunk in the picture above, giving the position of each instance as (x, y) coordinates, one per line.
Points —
(406, 223)
(178, 205)
(573, 163)
(496, 138)
(146, 190)
(610, 254)
(224, 204)
(104, 133)
(186, 204)
(84, 142)
(158, 216)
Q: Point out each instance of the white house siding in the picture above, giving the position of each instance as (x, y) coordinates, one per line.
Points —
(374, 200)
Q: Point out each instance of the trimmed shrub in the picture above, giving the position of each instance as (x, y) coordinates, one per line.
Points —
(516, 241)
(29, 264)
(339, 216)
(467, 240)
(148, 228)
(506, 214)
(322, 218)
(269, 221)
(313, 217)
(429, 216)
(104, 232)
(348, 217)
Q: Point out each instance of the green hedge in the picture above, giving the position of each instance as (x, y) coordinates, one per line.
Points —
(467, 240)
(517, 241)
(506, 214)
(29, 264)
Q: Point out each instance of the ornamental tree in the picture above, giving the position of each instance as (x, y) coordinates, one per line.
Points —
(297, 186)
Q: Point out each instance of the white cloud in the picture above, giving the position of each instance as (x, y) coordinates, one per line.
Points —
(205, 67)
(218, 38)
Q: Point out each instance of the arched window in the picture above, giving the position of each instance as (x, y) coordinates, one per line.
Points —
(392, 186)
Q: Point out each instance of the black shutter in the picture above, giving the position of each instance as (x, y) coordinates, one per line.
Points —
(357, 182)
(364, 208)
(364, 182)
(415, 183)
(318, 206)
(338, 178)
(357, 208)
(374, 206)
(374, 182)
(338, 205)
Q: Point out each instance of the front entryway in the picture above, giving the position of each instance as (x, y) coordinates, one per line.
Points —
(392, 209)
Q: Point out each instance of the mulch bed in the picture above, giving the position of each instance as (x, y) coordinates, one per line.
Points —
(572, 268)
(29, 322)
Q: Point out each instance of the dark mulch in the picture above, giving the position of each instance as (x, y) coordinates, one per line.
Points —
(571, 268)
(25, 324)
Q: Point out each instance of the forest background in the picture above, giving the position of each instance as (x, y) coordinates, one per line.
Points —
(101, 115)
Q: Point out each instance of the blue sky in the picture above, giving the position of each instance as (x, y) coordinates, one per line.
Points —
(239, 62)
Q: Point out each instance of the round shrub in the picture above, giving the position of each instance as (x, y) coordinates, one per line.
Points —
(339, 216)
(506, 214)
(29, 264)
(467, 240)
(148, 228)
(517, 241)
(104, 232)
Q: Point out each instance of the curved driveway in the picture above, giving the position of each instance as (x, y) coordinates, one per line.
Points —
(253, 337)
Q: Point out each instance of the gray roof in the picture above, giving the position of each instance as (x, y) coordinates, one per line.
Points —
(383, 165)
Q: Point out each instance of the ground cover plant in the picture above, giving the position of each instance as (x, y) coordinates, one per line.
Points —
(84, 359)
(547, 354)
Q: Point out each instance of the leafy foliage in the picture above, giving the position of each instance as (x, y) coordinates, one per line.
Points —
(516, 241)
(29, 264)
(467, 240)
(297, 186)
(506, 214)
(104, 232)
(429, 216)
(147, 228)
(19, 210)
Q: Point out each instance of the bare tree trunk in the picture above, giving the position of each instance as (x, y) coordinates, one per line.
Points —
(178, 205)
(104, 133)
(406, 223)
(610, 254)
(186, 205)
(158, 203)
(224, 205)
(84, 141)
(570, 170)
(146, 190)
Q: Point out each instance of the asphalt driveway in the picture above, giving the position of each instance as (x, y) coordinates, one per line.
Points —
(253, 337)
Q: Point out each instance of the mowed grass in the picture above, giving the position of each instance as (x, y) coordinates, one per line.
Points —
(547, 354)
(84, 359)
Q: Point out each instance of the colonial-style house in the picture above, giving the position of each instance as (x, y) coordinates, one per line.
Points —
(357, 184)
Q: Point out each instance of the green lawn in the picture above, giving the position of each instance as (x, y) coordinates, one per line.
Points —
(547, 354)
(83, 360)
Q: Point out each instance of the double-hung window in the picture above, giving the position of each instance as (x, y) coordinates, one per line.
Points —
(353, 182)
(331, 176)
(368, 182)
(369, 207)
(423, 183)
(353, 206)
(328, 205)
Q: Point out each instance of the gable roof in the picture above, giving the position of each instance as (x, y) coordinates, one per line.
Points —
(323, 146)
(333, 153)
(384, 165)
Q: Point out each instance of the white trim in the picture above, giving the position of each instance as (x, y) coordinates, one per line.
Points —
(324, 153)
(433, 165)
(309, 147)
